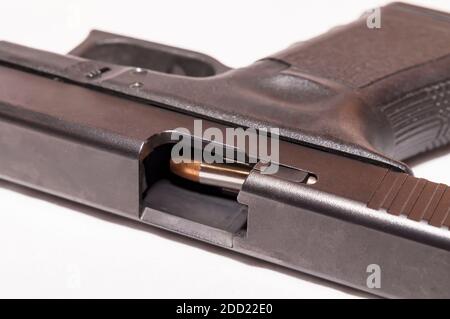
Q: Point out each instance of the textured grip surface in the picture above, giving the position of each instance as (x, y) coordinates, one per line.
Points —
(400, 71)
(420, 120)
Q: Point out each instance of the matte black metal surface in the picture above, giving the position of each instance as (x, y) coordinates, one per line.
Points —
(208, 209)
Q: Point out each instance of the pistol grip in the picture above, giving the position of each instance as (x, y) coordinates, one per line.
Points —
(400, 70)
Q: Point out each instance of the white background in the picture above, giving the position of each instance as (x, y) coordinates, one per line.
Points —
(53, 248)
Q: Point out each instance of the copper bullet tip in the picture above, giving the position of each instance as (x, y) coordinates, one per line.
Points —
(187, 170)
(229, 176)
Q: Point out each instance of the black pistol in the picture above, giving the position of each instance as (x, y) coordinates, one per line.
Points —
(117, 124)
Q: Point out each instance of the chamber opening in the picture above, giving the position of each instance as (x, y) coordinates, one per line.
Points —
(178, 197)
